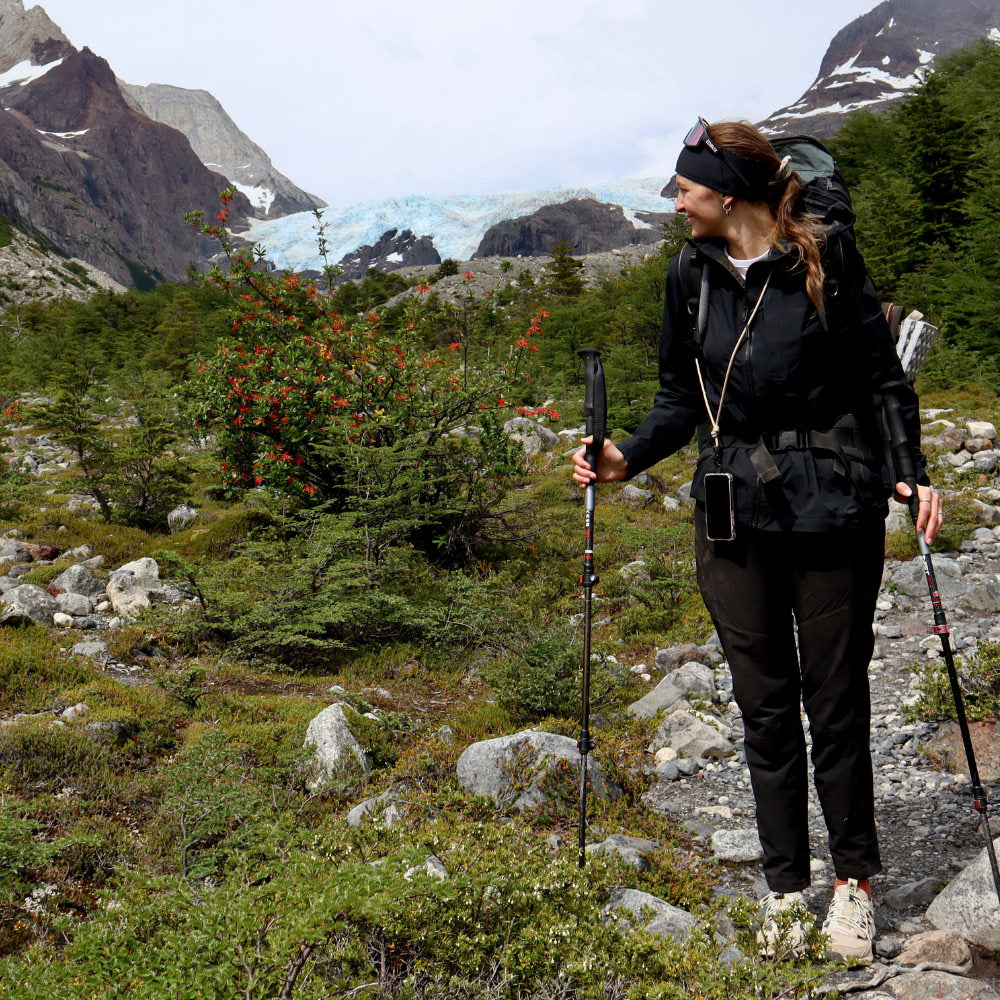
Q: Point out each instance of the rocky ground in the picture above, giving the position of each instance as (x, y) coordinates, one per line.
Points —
(488, 272)
(929, 829)
(31, 273)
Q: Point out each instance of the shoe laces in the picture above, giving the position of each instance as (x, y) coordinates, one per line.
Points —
(851, 910)
(774, 902)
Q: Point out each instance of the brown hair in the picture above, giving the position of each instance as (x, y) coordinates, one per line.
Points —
(801, 232)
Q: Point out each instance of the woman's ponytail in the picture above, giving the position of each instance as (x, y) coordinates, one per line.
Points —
(803, 234)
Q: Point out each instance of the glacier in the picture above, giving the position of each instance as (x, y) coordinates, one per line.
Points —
(456, 223)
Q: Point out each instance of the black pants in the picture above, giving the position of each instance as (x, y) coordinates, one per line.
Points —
(760, 590)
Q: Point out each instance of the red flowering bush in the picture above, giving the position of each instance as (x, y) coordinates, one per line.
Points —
(339, 409)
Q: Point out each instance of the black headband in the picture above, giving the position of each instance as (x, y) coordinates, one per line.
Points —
(703, 166)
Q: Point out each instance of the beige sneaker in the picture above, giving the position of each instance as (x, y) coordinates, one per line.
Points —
(850, 924)
(784, 919)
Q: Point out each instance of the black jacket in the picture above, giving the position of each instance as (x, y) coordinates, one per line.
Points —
(795, 372)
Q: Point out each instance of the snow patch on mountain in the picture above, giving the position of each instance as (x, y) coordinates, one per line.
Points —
(260, 197)
(842, 109)
(456, 223)
(62, 135)
(25, 72)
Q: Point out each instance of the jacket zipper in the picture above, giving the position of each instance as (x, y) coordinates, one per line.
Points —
(755, 512)
(749, 354)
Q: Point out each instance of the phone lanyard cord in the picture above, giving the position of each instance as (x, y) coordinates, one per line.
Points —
(714, 420)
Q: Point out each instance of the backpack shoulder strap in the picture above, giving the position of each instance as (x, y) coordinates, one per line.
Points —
(694, 285)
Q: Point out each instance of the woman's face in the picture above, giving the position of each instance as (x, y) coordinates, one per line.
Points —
(702, 206)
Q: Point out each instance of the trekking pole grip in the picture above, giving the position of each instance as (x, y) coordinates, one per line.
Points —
(595, 406)
(902, 456)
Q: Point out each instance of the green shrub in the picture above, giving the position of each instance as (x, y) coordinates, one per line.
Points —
(33, 671)
(544, 678)
(333, 913)
(979, 679)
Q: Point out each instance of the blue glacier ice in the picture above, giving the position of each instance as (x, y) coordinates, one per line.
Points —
(457, 223)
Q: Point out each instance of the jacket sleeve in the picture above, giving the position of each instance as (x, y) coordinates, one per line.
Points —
(677, 406)
(875, 340)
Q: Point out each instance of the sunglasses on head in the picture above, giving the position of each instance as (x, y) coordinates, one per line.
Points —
(698, 136)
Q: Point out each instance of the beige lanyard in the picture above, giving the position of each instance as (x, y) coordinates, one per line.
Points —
(714, 420)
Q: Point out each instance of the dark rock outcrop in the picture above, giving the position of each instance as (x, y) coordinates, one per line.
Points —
(88, 174)
(588, 226)
(393, 250)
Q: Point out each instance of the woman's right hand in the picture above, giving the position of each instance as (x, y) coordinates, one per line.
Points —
(611, 465)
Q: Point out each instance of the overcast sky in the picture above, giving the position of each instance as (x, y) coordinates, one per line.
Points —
(372, 99)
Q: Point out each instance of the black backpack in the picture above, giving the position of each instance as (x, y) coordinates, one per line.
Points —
(824, 195)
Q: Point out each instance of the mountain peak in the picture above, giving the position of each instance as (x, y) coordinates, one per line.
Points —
(881, 56)
(222, 146)
(28, 36)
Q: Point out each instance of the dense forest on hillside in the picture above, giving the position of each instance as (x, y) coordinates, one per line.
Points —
(368, 531)
(924, 178)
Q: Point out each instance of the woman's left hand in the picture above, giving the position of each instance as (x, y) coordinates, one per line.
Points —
(931, 514)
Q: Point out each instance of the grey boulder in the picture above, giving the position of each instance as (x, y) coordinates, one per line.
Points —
(27, 604)
(136, 586)
(981, 429)
(968, 906)
(180, 517)
(736, 846)
(665, 695)
(533, 436)
(382, 808)
(518, 771)
(649, 912)
(74, 604)
(691, 736)
(632, 850)
(909, 577)
(336, 750)
(79, 580)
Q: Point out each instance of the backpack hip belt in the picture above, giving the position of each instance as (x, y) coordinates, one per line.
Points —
(844, 441)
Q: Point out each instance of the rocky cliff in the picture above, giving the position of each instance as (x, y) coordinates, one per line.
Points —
(28, 36)
(222, 147)
(394, 250)
(81, 169)
(588, 226)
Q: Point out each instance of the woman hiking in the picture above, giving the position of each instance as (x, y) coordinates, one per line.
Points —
(786, 364)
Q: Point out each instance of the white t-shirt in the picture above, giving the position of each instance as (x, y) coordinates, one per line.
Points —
(744, 265)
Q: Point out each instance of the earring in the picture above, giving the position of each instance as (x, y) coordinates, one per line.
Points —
(727, 208)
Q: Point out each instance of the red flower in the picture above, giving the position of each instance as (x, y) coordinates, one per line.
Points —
(454, 346)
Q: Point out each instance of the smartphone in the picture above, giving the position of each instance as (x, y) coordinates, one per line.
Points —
(720, 507)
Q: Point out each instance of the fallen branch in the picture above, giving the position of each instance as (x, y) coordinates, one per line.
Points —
(898, 970)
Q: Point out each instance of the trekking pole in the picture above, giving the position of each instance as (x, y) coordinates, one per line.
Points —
(904, 467)
(595, 409)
